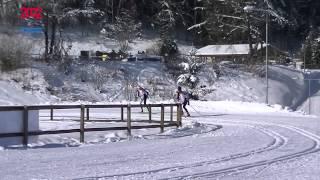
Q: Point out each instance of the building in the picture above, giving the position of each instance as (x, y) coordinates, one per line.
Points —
(238, 53)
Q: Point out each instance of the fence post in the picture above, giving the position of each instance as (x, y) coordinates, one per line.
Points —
(171, 113)
(150, 112)
(309, 84)
(129, 119)
(179, 116)
(162, 119)
(82, 124)
(121, 113)
(88, 115)
(51, 113)
(178, 112)
(25, 125)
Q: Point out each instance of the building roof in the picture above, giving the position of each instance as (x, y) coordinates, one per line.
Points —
(224, 50)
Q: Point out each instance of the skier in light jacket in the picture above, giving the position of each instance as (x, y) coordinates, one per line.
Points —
(183, 98)
(144, 95)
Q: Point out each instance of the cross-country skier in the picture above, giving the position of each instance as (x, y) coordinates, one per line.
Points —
(143, 94)
(183, 98)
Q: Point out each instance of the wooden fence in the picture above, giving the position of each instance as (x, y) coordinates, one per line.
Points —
(85, 115)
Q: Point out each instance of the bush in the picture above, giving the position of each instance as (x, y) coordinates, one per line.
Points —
(154, 49)
(13, 52)
(168, 48)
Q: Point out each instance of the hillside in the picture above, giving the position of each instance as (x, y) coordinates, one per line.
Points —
(115, 81)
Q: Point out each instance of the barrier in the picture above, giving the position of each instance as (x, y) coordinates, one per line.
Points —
(85, 116)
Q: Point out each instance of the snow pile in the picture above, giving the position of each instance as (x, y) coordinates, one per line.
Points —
(24, 86)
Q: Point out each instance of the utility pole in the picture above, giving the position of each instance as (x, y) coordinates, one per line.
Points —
(112, 11)
(267, 31)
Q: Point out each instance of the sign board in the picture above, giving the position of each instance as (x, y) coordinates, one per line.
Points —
(30, 16)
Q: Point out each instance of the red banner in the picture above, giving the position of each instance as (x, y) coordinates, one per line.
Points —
(31, 12)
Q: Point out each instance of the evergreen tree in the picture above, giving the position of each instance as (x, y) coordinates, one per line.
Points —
(126, 28)
(166, 20)
(316, 54)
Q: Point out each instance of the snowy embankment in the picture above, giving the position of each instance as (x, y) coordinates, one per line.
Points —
(115, 81)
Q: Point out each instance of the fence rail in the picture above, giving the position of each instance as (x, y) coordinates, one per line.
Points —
(85, 116)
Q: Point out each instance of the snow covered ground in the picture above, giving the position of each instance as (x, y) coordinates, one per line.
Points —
(231, 135)
(222, 140)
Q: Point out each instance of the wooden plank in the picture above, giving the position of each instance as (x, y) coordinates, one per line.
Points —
(171, 113)
(25, 125)
(122, 113)
(97, 106)
(5, 135)
(82, 123)
(11, 108)
(152, 105)
(129, 119)
(42, 107)
(88, 115)
(150, 113)
(178, 115)
(162, 120)
(105, 129)
(51, 114)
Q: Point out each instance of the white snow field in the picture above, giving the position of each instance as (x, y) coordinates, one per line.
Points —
(222, 140)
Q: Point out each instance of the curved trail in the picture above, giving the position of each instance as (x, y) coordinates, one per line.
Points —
(314, 148)
(277, 142)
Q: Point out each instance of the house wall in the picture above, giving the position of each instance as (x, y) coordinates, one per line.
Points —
(234, 58)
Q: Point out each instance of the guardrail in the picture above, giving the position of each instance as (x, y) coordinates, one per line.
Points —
(85, 115)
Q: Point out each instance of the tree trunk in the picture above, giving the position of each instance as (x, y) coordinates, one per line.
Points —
(249, 39)
(1, 11)
(53, 34)
(46, 36)
(112, 12)
(119, 7)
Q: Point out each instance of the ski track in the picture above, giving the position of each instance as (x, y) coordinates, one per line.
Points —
(236, 169)
(277, 142)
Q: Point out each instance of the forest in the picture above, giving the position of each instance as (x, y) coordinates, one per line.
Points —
(294, 24)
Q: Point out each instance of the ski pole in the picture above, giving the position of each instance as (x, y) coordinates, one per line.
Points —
(195, 110)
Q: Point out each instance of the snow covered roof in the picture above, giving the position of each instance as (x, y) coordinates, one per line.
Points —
(224, 50)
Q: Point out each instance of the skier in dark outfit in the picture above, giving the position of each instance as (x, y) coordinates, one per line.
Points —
(143, 94)
(183, 98)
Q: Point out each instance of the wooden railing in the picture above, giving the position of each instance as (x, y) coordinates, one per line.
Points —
(85, 115)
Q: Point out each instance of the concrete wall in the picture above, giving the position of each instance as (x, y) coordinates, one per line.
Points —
(12, 122)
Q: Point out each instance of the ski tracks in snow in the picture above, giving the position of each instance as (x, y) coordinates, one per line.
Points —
(241, 168)
(277, 142)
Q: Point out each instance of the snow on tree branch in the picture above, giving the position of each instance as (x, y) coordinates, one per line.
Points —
(197, 25)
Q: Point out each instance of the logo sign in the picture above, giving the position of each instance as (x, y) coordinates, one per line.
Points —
(31, 19)
(31, 12)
